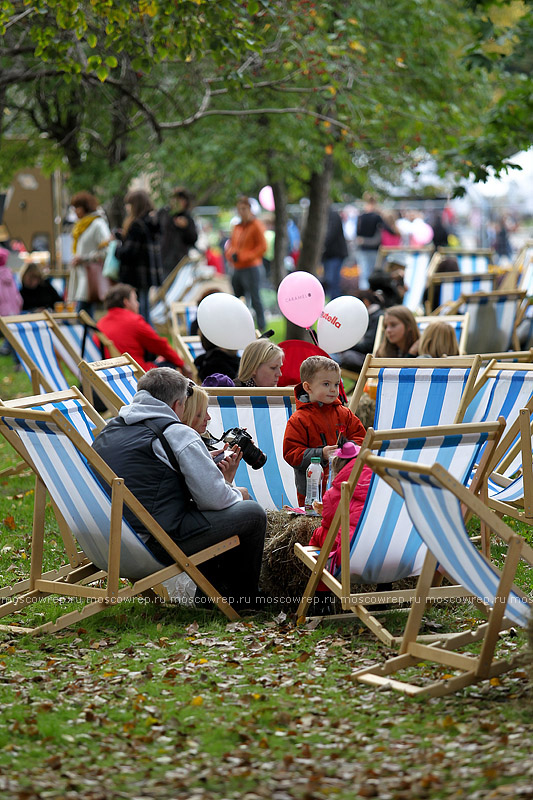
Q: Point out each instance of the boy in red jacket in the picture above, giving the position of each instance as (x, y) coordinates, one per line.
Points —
(320, 423)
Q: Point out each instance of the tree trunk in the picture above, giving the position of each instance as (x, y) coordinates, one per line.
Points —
(315, 230)
(277, 270)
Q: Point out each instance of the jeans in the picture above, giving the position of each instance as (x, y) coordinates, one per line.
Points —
(367, 262)
(235, 573)
(245, 282)
(332, 276)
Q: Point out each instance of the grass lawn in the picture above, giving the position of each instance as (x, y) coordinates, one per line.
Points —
(148, 701)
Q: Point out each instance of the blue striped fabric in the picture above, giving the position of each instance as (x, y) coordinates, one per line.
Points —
(121, 380)
(417, 264)
(504, 310)
(436, 514)
(73, 411)
(184, 280)
(385, 545)
(513, 493)
(473, 262)
(73, 332)
(411, 397)
(195, 348)
(265, 419)
(502, 395)
(35, 338)
(80, 498)
(451, 290)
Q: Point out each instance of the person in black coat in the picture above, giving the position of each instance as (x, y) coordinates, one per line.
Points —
(36, 291)
(178, 230)
(335, 251)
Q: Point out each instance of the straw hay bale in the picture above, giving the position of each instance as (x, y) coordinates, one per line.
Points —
(283, 574)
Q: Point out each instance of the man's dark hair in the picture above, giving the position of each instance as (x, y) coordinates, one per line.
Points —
(116, 295)
(165, 384)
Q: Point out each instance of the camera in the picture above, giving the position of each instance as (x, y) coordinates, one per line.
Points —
(250, 452)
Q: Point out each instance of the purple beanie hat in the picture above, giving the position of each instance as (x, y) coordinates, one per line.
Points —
(218, 379)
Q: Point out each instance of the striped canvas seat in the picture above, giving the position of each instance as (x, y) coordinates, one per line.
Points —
(500, 391)
(172, 290)
(434, 502)
(31, 337)
(525, 266)
(75, 477)
(79, 338)
(453, 286)
(114, 380)
(385, 546)
(493, 320)
(183, 315)
(459, 323)
(470, 261)
(413, 393)
(265, 419)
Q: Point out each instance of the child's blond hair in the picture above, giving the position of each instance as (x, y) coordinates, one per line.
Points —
(313, 364)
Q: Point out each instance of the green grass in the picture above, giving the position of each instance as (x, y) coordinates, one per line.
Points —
(148, 701)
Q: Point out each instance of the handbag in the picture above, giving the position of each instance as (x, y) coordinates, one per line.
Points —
(97, 283)
(111, 268)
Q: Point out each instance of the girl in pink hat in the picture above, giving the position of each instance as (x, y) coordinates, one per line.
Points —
(341, 468)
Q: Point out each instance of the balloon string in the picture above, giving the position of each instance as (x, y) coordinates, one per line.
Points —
(312, 334)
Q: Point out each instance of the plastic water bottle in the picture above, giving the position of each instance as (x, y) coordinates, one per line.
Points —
(313, 490)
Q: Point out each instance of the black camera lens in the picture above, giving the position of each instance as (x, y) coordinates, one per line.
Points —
(253, 456)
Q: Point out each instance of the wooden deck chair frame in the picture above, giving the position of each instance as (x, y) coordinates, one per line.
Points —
(358, 603)
(180, 344)
(491, 372)
(77, 582)
(372, 366)
(446, 654)
(75, 557)
(383, 252)
(85, 319)
(520, 276)
(459, 251)
(452, 306)
(160, 295)
(519, 295)
(92, 378)
(178, 317)
(456, 319)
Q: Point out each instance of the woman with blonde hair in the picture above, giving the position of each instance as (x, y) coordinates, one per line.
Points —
(260, 364)
(438, 341)
(401, 334)
(196, 415)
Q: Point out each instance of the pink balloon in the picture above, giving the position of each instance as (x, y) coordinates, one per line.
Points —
(266, 198)
(301, 298)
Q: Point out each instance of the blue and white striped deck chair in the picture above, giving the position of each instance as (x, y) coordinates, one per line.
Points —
(434, 501)
(385, 546)
(31, 337)
(524, 265)
(171, 291)
(417, 262)
(454, 285)
(470, 261)
(114, 379)
(265, 418)
(412, 393)
(75, 476)
(73, 335)
(494, 317)
(183, 315)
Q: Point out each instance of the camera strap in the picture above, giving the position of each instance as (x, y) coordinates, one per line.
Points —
(155, 428)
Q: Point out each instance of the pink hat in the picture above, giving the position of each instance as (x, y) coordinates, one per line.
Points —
(4, 255)
(348, 450)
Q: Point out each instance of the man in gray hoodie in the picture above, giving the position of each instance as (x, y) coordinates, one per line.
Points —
(166, 465)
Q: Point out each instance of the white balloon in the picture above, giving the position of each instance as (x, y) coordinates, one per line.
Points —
(342, 324)
(226, 321)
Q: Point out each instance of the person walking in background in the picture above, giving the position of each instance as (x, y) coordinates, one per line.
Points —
(178, 229)
(245, 251)
(369, 227)
(140, 251)
(10, 299)
(335, 251)
(90, 237)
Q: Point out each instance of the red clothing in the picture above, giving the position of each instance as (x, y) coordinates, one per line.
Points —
(331, 500)
(304, 433)
(130, 333)
(248, 243)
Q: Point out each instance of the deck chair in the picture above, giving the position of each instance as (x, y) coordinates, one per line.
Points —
(189, 348)
(452, 285)
(459, 322)
(182, 316)
(521, 273)
(473, 261)
(417, 264)
(494, 317)
(75, 476)
(88, 422)
(385, 546)
(78, 329)
(31, 337)
(264, 413)
(114, 380)
(434, 500)
(501, 389)
(171, 291)
(411, 393)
